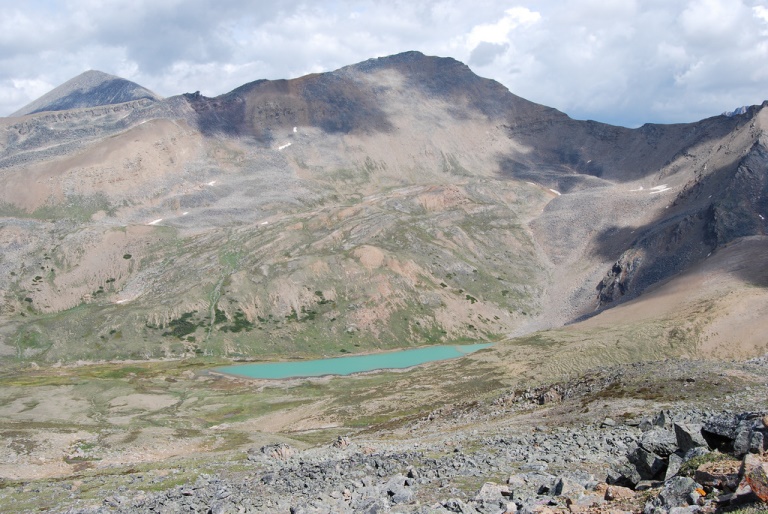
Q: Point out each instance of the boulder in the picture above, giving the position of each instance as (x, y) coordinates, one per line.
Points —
(689, 436)
(648, 464)
(695, 452)
(279, 451)
(742, 438)
(456, 505)
(663, 419)
(625, 474)
(397, 490)
(492, 498)
(722, 425)
(660, 441)
(531, 484)
(674, 462)
(341, 442)
(741, 433)
(755, 474)
(551, 396)
(677, 492)
(616, 492)
(567, 487)
(492, 492)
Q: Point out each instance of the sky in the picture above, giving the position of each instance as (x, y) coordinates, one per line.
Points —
(624, 62)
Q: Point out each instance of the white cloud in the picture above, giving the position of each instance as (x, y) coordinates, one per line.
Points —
(761, 12)
(618, 61)
(708, 21)
(499, 31)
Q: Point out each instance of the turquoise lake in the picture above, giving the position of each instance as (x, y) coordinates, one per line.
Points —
(352, 364)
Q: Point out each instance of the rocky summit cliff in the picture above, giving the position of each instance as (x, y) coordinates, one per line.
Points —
(399, 201)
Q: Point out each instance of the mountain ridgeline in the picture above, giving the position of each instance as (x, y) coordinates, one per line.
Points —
(399, 201)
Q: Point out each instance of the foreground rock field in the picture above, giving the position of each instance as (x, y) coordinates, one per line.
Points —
(611, 441)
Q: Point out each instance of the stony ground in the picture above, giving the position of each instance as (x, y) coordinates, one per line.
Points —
(548, 449)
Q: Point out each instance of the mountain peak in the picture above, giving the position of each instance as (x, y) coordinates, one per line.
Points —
(89, 89)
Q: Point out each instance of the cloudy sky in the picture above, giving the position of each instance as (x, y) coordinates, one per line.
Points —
(618, 61)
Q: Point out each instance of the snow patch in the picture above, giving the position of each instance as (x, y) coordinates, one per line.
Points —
(126, 300)
(653, 190)
(155, 222)
(265, 222)
(212, 182)
(282, 147)
(555, 191)
(659, 189)
(295, 129)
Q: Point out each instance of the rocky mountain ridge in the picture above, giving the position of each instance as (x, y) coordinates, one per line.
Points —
(471, 212)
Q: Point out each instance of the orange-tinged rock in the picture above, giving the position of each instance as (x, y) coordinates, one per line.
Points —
(757, 478)
(616, 492)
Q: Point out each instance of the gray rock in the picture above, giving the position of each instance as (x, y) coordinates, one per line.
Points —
(659, 441)
(279, 451)
(491, 492)
(722, 425)
(397, 491)
(663, 419)
(625, 474)
(695, 452)
(689, 436)
(691, 509)
(341, 442)
(534, 466)
(677, 491)
(645, 485)
(647, 464)
(567, 487)
(741, 439)
(674, 462)
(374, 506)
(456, 505)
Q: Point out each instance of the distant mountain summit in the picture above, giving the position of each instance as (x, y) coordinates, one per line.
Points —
(89, 89)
